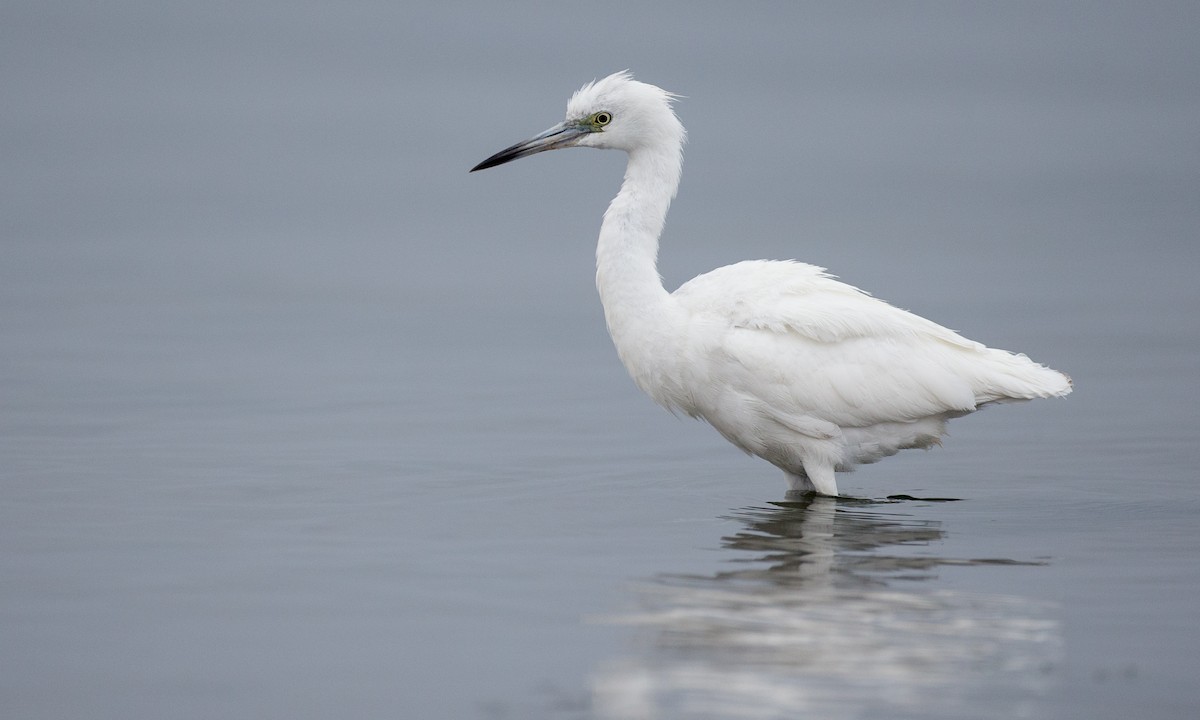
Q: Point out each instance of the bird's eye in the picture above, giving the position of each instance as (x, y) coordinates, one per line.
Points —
(602, 118)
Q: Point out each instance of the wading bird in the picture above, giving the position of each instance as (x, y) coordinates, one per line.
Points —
(806, 372)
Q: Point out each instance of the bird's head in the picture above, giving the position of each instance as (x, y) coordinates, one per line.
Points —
(616, 112)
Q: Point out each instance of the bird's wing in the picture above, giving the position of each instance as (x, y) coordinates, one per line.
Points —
(805, 345)
(780, 295)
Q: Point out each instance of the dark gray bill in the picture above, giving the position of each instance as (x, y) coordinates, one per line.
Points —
(559, 136)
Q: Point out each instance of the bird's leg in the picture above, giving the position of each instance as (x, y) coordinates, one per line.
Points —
(824, 480)
(799, 482)
(821, 481)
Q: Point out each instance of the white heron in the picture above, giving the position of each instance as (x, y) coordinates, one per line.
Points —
(786, 362)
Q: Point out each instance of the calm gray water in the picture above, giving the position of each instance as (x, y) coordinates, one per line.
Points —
(300, 420)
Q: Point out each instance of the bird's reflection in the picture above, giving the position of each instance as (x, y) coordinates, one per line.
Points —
(826, 613)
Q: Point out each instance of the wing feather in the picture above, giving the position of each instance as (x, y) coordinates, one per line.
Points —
(806, 345)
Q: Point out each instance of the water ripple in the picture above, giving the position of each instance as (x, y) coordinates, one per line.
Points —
(827, 617)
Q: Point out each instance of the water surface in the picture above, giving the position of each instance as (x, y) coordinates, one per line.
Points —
(298, 419)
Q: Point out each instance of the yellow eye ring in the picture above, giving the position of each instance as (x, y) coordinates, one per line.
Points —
(602, 118)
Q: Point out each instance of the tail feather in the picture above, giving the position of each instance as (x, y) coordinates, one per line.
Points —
(1016, 377)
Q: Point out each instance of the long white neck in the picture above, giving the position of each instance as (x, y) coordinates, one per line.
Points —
(637, 308)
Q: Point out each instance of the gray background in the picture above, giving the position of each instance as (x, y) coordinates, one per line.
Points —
(299, 419)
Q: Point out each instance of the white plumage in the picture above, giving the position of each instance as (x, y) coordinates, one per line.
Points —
(787, 363)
